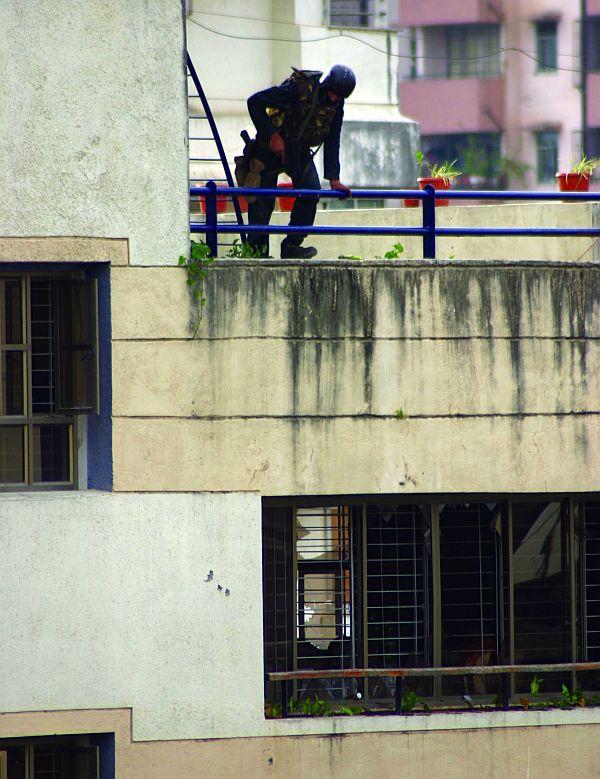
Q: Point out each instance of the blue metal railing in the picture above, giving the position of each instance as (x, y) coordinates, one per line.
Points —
(429, 231)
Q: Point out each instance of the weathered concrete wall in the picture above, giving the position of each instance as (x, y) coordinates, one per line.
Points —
(134, 601)
(96, 144)
(294, 383)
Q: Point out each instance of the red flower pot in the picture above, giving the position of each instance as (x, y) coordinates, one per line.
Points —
(285, 203)
(436, 183)
(221, 204)
(411, 202)
(573, 182)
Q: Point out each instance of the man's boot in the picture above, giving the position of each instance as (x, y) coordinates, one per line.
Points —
(294, 251)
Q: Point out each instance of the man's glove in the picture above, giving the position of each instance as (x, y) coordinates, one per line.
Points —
(337, 184)
(277, 146)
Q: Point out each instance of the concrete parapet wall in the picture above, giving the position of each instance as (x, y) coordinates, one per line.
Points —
(300, 371)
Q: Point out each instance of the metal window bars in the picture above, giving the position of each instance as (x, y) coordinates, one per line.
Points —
(359, 595)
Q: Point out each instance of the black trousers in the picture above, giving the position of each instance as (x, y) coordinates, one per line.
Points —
(301, 169)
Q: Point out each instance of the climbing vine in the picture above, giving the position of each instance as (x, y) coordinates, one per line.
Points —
(196, 268)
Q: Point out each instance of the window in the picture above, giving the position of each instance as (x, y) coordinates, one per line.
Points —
(473, 51)
(592, 43)
(48, 375)
(547, 154)
(357, 13)
(387, 585)
(545, 45)
(47, 758)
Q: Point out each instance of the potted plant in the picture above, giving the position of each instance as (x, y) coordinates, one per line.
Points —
(578, 178)
(440, 177)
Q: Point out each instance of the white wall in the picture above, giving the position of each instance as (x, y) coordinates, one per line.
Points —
(105, 603)
(93, 138)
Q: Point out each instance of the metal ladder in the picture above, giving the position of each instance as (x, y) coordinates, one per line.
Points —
(208, 132)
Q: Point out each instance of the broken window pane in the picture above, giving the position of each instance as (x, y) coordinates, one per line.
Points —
(469, 634)
(542, 620)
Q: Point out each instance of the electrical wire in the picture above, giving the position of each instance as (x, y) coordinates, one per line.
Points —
(342, 34)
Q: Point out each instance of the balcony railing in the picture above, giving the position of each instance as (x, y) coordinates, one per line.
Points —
(429, 231)
(286, 678)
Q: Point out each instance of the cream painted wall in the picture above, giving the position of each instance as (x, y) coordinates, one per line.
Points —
(93, 141)
(112, 602)
(107, 602)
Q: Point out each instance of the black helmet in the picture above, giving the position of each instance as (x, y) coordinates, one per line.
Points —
(341, 80)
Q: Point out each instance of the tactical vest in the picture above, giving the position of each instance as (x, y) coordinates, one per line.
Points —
(308, 120)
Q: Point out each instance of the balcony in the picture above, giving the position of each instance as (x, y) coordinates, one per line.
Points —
(458, 106)
(418, 13)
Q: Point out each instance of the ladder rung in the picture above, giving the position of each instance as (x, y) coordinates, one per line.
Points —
(201, 138)
(205, 159)
(197, 116)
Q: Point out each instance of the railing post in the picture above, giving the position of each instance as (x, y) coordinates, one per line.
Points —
(429, 223)
(398, 699)
(211, 217)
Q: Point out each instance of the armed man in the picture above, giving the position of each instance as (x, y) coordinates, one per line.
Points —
(292, 121)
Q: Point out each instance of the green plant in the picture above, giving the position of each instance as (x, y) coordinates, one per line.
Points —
(394, 252)
(196, 268)
(420, 161)
(410, 700)
(444, 170)
(320, 708)
(273, 710)
(512, 168)
(567, 699)
(535, 685)
(349, 257)
(585, 166)
(350, 711)
(243, 251)
(399, 413)
(311, 708)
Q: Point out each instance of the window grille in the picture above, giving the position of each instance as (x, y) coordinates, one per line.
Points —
(473, 51)
(545, 36)
(48, 373)
(352, 13)
(469, 598)
(392, 585)
(547, 154)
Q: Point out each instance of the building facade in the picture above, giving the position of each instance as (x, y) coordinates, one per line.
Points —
(508, 88)
(330, 464)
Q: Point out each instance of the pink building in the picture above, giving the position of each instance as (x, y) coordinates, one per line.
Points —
(499, 84)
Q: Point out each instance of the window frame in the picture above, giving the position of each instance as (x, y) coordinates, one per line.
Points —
(28, 420)
(543, 147)
(368, 16)
(544, 37)
(572, 512)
